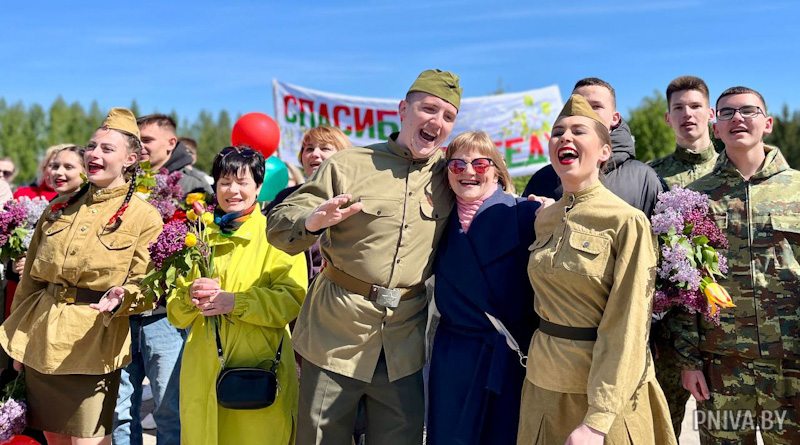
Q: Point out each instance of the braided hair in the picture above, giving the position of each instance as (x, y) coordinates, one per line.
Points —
(131, 172)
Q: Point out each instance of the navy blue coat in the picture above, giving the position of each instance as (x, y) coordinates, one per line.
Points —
(475, 378)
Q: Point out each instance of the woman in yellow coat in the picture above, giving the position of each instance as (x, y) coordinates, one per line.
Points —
(257, 292)
(590, 376)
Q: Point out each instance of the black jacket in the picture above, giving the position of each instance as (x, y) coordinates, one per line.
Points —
(633, 181)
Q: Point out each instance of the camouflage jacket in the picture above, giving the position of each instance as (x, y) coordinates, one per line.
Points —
(683, 166)
(761, 219)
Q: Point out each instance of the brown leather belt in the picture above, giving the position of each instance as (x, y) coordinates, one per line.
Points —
(72, 295)
(366, 290)
(567, 332)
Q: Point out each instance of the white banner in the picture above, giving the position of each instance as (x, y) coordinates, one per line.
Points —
(519, 123)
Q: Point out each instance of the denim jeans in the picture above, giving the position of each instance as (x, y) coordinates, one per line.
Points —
(156, 348)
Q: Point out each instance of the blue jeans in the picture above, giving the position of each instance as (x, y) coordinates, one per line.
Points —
(156, 348)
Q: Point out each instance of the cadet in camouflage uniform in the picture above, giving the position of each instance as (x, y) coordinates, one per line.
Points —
(749, 365)
(689, 114)
(361, 331)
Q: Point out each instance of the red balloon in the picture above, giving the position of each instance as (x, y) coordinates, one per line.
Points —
(258, 131)
(20, 440)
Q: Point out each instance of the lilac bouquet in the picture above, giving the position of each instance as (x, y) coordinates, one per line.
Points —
(18, 218)
(13, 409)
(688, 260)
(182, 244)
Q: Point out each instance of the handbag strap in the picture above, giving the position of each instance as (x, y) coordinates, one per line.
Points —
(275, 362)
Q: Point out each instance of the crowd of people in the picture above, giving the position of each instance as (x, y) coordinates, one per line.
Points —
(546, 333)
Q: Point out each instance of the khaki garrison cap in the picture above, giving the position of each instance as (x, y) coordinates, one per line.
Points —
(577, 105)
(122, 119)
(442, 84)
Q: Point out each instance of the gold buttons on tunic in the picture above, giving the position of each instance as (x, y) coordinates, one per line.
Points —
(83, 228)
(586, 244)
(93, 211)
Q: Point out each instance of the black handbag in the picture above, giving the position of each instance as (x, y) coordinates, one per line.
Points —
(247, 388)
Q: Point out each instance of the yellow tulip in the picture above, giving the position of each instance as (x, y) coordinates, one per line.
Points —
(191, 216)
(192, 197)
(207, 218)
(142, 189)
(717, 295)
(191, 240)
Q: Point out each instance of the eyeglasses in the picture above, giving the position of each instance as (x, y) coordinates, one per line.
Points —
(480, 165)
(245, 152)
(747, 112)
(6, 173)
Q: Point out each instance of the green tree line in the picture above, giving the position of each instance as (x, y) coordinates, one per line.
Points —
(27, 130)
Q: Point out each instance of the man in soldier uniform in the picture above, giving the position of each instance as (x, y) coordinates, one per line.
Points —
(380, 211)
(748, 367)
(689, 114)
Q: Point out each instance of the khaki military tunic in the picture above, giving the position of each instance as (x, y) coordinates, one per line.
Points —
(593, 265)
(390, 243)
(50, 335)
(684, 166)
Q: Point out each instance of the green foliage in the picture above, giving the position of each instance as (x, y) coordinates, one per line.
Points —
(27, 131)
(786, 135)
(653, 136)
(520, 182)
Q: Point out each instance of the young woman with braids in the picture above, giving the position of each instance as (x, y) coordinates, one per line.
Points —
(68, 324)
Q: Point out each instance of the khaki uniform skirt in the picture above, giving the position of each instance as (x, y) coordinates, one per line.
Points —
(75, 404)
(548, 417)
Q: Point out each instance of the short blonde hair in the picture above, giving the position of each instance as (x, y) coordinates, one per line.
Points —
(324, 134)
(480, 141)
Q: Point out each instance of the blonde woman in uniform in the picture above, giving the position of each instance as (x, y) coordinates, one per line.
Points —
(592, 268)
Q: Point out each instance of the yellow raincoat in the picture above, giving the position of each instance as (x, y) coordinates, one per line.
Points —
(270, 287)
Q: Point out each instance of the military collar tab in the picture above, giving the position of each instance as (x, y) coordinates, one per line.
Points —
(694, 157)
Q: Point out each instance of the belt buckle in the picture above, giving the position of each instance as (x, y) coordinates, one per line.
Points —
(67, 294)
(384, 296)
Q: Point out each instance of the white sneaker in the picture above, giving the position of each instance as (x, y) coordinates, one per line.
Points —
(147, 393)
(149, 423)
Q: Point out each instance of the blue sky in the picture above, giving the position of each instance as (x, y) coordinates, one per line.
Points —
(193, 55)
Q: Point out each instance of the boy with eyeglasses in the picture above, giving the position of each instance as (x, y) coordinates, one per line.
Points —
(748, 367)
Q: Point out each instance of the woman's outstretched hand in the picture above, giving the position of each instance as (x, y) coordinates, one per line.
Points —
(110, 301)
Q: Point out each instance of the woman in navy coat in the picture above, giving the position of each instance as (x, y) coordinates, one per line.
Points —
(475, 377)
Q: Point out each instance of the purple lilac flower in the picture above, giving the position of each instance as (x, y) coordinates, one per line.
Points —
(33, 209)
(723, 264)
(675, 267)
(665, 220)
(166, 194)
(702, 224)
(13, 215)
(170, 241)
(12, 418)
(681, 200)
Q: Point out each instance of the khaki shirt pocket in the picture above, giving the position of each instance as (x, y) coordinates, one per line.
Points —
(119, 244)
(379, 207)
(54, 239)
(586, 253)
